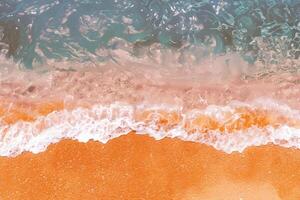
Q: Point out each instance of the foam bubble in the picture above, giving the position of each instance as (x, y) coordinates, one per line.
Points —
(103, 123)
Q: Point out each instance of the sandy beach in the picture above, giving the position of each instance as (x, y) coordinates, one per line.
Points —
(139, 167)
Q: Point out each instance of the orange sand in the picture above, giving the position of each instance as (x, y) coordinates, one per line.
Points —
(11, 112)
(138, 167)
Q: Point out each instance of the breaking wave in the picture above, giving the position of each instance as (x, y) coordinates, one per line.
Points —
(227, 128)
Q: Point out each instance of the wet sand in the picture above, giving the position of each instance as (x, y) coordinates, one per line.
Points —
(139, 167)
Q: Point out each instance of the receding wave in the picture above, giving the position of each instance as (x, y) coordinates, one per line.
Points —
(227, 128)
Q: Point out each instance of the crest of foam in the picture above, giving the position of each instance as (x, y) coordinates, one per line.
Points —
(103, 123)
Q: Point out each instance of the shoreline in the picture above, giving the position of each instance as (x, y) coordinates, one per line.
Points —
(30, 98)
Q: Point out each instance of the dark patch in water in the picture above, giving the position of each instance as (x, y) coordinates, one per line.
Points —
(10, 37)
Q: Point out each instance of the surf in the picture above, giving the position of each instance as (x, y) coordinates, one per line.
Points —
(231, 128)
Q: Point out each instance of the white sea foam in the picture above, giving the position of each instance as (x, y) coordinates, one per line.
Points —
(103, 123)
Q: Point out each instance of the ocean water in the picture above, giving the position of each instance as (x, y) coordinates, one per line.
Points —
(36, 31)
(83, 70)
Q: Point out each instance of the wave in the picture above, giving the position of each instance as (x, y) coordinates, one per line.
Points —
(230, 128)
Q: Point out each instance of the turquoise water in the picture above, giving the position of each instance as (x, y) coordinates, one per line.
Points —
(34, 31)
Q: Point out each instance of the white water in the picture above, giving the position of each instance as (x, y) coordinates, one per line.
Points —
(103, 123)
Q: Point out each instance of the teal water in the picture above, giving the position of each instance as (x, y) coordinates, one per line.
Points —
(34, 31)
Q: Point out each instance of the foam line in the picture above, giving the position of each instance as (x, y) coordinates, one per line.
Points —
(103, 123)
